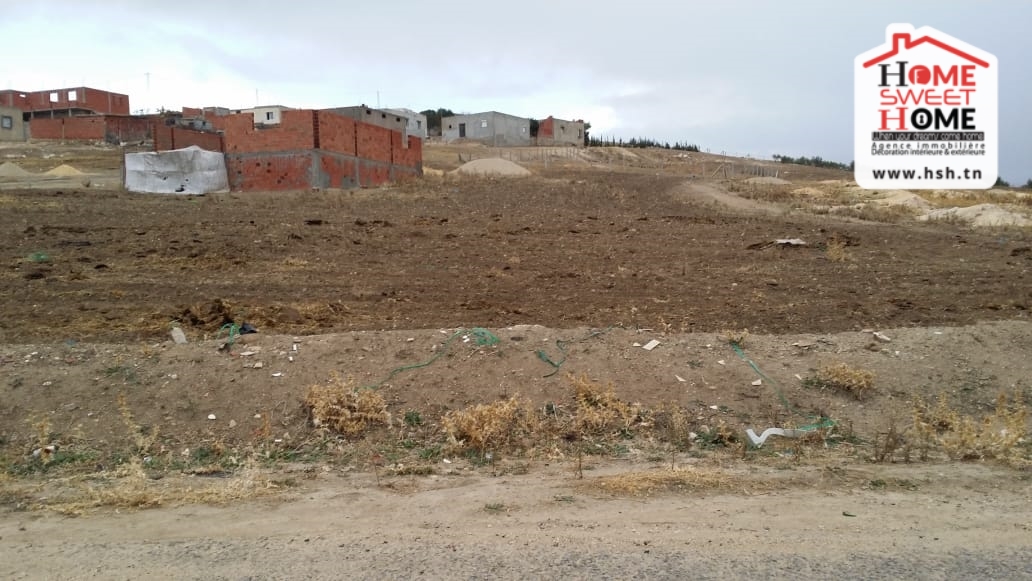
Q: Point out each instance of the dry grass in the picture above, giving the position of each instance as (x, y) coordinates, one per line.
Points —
(130, 487)
(844, 378)
(503, 425)
(599, 412)
(993, 436)
(736, 336)
(836, 251)
(664, 481)
(346, 410)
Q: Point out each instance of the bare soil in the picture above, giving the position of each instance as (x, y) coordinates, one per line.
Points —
(572, 270)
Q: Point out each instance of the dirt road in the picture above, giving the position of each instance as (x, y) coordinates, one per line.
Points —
(923, 522)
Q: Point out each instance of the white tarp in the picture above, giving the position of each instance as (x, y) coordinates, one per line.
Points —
(191, 170)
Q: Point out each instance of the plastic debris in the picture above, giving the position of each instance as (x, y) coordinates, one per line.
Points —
(278, 374)
(758, 382)
(681, 379)
(881, 337)
(212, 417)
(178, 336)
(759, 440)
(650, 345)
(721, 362)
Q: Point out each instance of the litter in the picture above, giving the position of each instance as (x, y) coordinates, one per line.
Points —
(759, 440)
(636, 344)
(758, 382)
(714, 407)
(681, 379)
(248, 353)
(212, 417)
(777, 242)
(650, 345)
(278, 374)
(881, 337)
(721, 362)
(178, 336)
(247, 328)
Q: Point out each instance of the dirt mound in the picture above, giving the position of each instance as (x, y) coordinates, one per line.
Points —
(980, 215)
(902, 198)
(64, 170)
(429, 171)
(767, 181)
(493, 166)
(12, 170)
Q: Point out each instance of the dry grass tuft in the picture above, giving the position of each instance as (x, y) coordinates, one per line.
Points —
(599, 411)
(842, 377)
(346, 410)
(502, 425)
(665, 480)
(735, 336)
(993, 436)
(836, 251)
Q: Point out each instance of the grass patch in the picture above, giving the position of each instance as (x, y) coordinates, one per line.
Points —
(348, 411)
(502, 425)
(843, 378)
(997, 435)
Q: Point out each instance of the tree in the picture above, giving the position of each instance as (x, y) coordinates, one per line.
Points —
(587, 140)
(1001, 183)
(433, 119)
(1028, 184)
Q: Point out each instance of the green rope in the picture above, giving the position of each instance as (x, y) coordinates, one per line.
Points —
(561, 345)
(821, 423)
(482, 337)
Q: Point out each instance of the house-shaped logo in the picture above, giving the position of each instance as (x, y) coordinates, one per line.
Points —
(925, 113)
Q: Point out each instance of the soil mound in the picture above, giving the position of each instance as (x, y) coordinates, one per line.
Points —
(64, 170)
(980, 215)
(902, 198)
(768, 181)
(12, 170)
(493, 166)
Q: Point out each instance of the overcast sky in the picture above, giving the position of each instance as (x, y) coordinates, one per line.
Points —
(745, 77)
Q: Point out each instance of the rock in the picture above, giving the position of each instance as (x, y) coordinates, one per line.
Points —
(178, 336)
(212, 417)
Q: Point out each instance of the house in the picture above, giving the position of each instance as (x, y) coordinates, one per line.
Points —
(71, 102)
(490, 128)
(12, 125)
(416, 121)
(80, 113)
(554, 131)
(303, 149)
(267, 114)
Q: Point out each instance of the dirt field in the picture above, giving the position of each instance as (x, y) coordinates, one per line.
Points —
(448, 293)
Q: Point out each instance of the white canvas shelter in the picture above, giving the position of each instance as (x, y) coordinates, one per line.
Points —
(189, 171)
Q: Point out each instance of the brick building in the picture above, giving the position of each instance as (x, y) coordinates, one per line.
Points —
(554, 131)
(80, 113)
(304, 149)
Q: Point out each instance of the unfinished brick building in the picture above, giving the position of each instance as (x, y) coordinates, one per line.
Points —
(304, 149)
(79, 113)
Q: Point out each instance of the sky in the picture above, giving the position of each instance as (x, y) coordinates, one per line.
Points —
(743, 77)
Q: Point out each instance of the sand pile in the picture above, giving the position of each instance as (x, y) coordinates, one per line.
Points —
(902, 198)
(767, 181)
(429, 171)
(64, 170)
(495, 166)
(12, 170)
(980, 215)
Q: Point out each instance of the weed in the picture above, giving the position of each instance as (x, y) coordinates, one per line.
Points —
(736, 337)
(998, 435)
(431, 453)
(842, 377)
(500, 425)
(496, 507)
(345, 410)
(599, 412)
(413, 419)
(836, 251)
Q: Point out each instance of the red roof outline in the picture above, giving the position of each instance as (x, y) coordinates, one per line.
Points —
(909, 44)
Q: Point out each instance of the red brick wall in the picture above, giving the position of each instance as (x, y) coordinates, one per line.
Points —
(71, 128)
(546, 128)
(269, 172)
(374, 142)
(127, 129)
(341, 172)
(411, 156)
(85, 98)
(336, 133)
(169, 137)
(192, 112)
(373, 174)
(14, 99)
(296, 131)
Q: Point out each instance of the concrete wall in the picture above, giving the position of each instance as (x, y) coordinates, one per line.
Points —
(12, 126)
(65, 102)
(490, 128)
(416, 122)
(271, 115)
(554, 131)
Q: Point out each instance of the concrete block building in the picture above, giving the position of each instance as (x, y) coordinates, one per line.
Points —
(12, 125)
(416, 121)
(379, 117)
(490, 128)
(554, 131)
